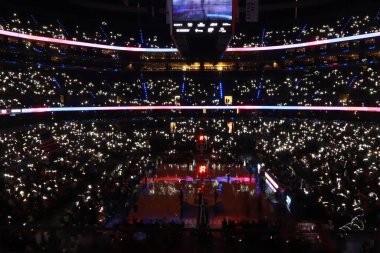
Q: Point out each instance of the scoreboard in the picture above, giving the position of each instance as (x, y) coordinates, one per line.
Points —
(202, 16)
(201, 29)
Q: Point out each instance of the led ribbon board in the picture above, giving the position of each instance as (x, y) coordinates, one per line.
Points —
(211, 107)
(86, 44)
(174, 50)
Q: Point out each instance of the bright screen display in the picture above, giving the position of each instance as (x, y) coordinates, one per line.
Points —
(202, 10)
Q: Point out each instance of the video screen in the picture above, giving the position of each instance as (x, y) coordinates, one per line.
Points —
(202, 10)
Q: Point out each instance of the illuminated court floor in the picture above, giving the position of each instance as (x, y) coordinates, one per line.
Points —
(235, 197)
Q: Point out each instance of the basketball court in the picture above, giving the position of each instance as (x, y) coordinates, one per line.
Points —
(228, 191)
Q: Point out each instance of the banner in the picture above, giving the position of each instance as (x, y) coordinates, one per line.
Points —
(236, 11)
(252, 11)
(169, 11)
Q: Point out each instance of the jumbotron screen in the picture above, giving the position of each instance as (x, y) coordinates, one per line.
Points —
(202, 10)
(202, 16)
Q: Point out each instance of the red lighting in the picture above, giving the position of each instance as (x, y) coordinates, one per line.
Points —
(202, 169)
(202, 138)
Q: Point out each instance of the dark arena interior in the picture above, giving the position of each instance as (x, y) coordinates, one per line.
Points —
(190, 126)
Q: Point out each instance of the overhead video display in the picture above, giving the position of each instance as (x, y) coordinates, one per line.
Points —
(202, 10)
